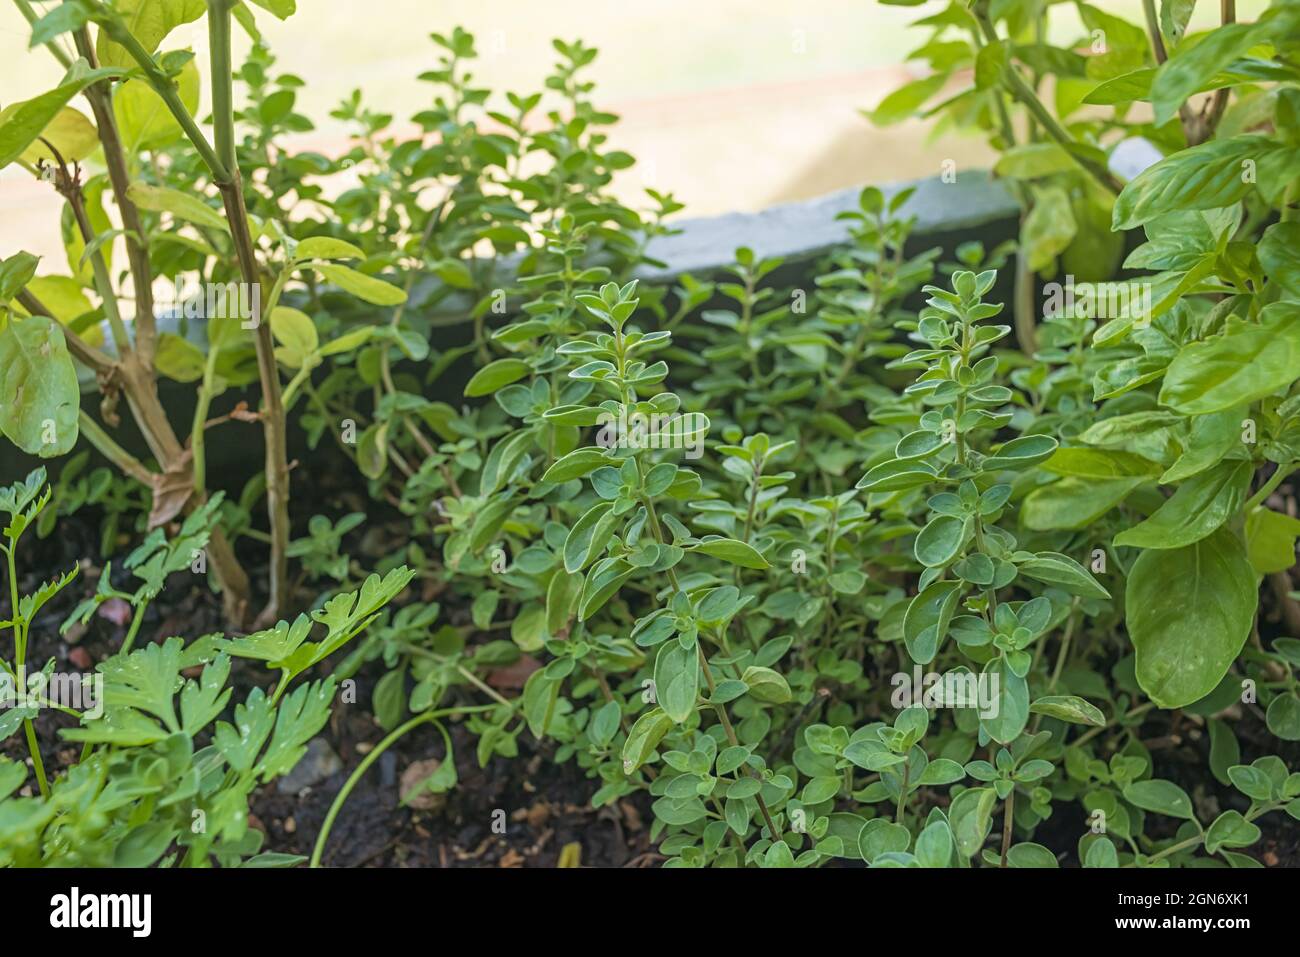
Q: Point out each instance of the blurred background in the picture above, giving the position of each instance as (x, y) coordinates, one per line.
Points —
(729, 104)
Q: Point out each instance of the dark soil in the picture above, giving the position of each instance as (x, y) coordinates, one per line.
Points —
(546, 804)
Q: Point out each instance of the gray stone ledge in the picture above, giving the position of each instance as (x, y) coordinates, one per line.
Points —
(808, 229)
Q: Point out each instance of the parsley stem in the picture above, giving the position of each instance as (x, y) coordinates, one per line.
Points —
(372, 757)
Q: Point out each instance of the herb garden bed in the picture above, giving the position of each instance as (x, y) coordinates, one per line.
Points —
(511, 527)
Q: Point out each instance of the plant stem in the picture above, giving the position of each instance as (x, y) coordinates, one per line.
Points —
(226, 173)
(99, 269)
(1008, 820)
(96, 360)
(1279, 474)
(1064, 650)
(1250, 815)
(20, 660)
(38, 764)
(1213, 112)
(721, 710)
(129, 640)
(138, 378)
(198, 429)
(1023, 92)
(100, 97)
(165, 88)
(1153, 28)
(119, 456)
(1023, 310)
(370, 759)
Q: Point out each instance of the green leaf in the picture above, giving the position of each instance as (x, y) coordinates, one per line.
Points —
(138, 697)
(1270, 540)
(25, 121)
(1283, 717)
(733, 551)
(300, 716)
(925, 624)
(540, 695)
(372, 451)
(496, 375)
(388, 700)
(1162, 797)
(1253, 782)
(1211, 438)
(1203, 177)
(1279, 254)
(990, 64)
(1022, 452)
(576, 464)
(939, 542)
(971, 816)
(15, 273)
(1031, 855)
(143, 845)
(941, 771)
(934, 845)
(1070, 708)
(1101, 853)
(349, 341)
(588, 537)
(1224, 750)
(68, 131)
(149, 21)
(1057, 569)
(1090, 463)
(186, 206)
(1074, 502)
(677, 680)
(455, 273)
(283, 9)
(178, 358)
(1125, 88)
(1010, 710)
(879, 837)
(366, 288)
(1192, 66)
(1197, 508)
(326, 247)
(896, 476)
(604, 724)
(144, 120)
(488, 521)
(1174, 17)
(1049, 228)
(1245, 362)
(1190, 611)
(561, 600)
(62, 19)
(1230, 829)
(766, 685)
(39, 395)
(1034, 160)
(347, 614)
(294, 330)
(644, 737)
(241, 742)
(272, 645)
(904, 102)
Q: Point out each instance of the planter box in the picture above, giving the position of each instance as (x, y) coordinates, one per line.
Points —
(947, 214)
